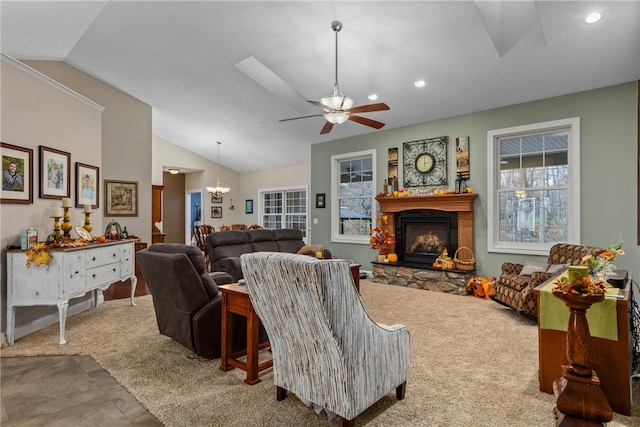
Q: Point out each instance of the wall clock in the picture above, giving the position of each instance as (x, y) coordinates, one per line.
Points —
(426, 162)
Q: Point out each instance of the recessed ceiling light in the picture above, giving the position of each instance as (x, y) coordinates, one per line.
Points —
(419, 83)
(372, 97)
(592, 18)
(174, 171)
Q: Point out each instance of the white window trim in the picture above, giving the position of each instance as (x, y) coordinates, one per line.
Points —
(261, 191)
(335, 191)
(493, 171)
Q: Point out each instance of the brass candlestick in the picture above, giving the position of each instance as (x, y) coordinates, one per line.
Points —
(56, 236)
(87, 222)
(66, 224)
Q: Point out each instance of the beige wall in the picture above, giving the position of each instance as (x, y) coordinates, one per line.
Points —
(126, 140)
(200, 174)
(37, 111)
(252, 183)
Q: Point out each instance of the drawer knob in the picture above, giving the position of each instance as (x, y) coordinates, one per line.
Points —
(114, 255)
(93, 275)
(93, 259)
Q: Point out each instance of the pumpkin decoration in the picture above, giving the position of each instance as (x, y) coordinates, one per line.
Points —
(392, 257)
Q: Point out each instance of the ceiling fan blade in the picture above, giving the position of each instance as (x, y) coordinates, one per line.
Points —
(302, 117)
(365, 121)
(319, 104)
(368, 108)
(326, 128)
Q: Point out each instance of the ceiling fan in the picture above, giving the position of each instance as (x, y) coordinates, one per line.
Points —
(337, 107)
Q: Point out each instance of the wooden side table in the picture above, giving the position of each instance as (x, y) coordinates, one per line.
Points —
(355, 273)
(235, 301)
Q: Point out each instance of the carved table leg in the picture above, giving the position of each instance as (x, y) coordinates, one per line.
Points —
(62, 314)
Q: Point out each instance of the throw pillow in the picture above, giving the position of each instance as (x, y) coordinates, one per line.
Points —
(557, 268)
(308, 250)
(530, 267)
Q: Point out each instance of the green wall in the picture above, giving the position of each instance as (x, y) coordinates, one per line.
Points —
(608, 152)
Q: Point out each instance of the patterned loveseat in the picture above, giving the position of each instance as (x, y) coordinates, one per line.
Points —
(515, 285)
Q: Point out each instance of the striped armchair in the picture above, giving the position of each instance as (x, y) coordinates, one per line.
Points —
(326, 349)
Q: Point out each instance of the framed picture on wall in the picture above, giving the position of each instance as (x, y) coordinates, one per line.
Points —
(215, 198)
(216, 212)
(87, 185)
(17, 174)
(55, 173)
(320, 200)
(248, 206)
(120, 198)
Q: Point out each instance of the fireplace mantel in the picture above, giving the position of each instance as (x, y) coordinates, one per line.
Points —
(445, 202)
(460, 203)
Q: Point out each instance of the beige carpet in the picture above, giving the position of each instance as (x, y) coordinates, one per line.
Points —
(474, 363)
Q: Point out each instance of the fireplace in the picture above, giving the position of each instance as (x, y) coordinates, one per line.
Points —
(422, 235)
(447, 217)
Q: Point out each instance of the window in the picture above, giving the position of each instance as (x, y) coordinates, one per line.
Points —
(353, 196)
(284, 208)
(534, 188)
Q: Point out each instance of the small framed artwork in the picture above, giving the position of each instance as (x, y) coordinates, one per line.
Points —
(462, 157)
(120, 198)
(216, 212)
(17, 174)
(216, 198)
(320, 200)
(55, 173)
(87, 185)
(248, 206)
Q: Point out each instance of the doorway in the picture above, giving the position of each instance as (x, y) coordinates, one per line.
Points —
(193, 215)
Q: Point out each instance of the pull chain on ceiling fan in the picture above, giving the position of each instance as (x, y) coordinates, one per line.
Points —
(338, 108)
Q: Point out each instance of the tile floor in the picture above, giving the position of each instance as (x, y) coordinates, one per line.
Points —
(66, 391)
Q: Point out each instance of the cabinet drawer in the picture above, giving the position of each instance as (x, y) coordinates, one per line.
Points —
(104, 274)
(126, 260)
(102, 256)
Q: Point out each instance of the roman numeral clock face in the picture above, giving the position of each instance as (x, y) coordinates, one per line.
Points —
(425, 162)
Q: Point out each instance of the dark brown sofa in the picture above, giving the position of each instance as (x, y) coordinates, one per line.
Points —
(186, 299)
(515, 285)
(225, 247)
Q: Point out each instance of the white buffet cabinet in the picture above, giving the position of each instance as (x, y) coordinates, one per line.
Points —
(71, 273)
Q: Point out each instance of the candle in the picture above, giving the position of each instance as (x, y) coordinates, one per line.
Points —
(87, 209)
(56, 212)
(66, 202)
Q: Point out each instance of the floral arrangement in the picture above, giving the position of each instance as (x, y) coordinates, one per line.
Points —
(380, 235)
(602, 264)
(583, 286)
(38, 255)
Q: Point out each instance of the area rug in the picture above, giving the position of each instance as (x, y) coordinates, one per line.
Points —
(473, 363)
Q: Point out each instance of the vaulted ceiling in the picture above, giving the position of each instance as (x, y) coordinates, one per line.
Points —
(228, 71)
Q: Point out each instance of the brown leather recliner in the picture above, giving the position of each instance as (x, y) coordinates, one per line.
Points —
(186, 298)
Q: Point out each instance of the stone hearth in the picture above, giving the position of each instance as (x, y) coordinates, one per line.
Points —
(454, 282)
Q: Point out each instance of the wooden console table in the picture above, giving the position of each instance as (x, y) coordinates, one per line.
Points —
(71, 273)
(610, 359)
(235, 300)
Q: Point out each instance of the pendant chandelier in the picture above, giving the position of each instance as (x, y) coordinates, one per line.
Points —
(218, 191)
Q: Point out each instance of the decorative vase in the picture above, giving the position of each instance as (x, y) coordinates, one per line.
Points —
(381, 258)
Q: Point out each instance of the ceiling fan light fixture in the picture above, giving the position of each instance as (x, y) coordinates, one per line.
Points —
(337, 101)
(336, 117)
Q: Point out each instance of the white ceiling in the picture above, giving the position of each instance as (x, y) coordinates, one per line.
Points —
(180, 58)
